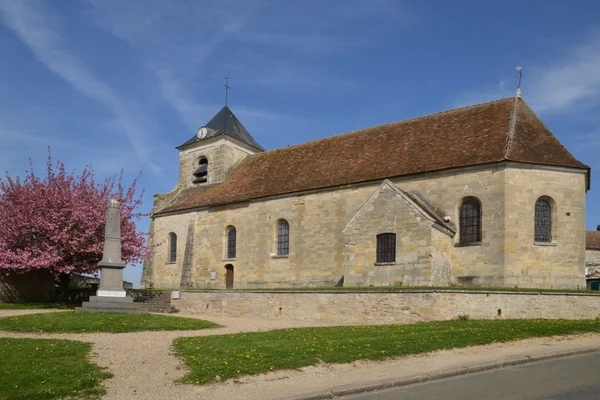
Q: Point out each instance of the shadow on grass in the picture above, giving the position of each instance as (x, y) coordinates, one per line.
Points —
(36, 306)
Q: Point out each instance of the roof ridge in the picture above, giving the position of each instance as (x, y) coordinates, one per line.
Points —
(552, 134)
(545, 127)
(511, 129)
(360, 130)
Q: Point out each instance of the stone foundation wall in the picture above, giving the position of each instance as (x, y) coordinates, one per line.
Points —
(371, 307)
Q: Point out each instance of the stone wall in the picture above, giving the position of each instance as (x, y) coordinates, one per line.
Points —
(592, 264)
(483, 264)
(370, 307)
(560, 263)
(221, 152)
(317, 239)
(158, 272)
(414, 264)
(322, 248)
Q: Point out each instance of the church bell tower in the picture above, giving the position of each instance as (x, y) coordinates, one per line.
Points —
(207, 157)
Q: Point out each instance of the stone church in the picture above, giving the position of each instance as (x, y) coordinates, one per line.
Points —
(483, 195)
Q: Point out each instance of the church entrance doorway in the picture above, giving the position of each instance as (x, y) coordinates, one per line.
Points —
(229, 276)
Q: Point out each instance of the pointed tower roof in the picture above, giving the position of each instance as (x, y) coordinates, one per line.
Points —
(224, 123)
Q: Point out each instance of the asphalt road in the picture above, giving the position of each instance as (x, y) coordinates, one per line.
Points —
(572, 378)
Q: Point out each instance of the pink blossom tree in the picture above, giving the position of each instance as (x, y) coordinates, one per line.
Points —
(56, 222)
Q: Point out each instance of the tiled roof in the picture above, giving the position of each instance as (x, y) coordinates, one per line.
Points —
(501, 130)
(592, 240)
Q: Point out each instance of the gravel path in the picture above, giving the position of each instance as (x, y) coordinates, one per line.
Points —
(145, 367)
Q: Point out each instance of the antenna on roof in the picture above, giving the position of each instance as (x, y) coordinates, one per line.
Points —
(520, 69)
(227, 87)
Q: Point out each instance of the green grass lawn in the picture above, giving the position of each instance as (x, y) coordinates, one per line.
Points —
(72, 322)
(34, 306)
(33, 369)
(231, 356)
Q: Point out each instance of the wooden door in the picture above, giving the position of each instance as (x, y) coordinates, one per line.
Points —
(229, 276)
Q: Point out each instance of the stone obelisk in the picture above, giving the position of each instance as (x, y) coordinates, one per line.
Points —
(110, 296)
(111, 278)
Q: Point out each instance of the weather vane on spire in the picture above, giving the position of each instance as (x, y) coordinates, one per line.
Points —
(520, 69)
(227, 87)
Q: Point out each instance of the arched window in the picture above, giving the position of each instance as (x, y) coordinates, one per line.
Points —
(231, 242)
(201, 173)
(172, 247)
(543, 220)
(386, 247)
(283, 238)
(470, 221)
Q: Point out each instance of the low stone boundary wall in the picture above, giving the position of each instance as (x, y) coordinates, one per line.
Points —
(366, 307)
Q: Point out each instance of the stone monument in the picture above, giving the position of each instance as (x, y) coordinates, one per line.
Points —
(110, 296)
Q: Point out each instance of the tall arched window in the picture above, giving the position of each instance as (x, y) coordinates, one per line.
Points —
(172, 247)
(543, 220)
(231, 242)
(201, 173)
(470, 221)
(283, 238)
(386, 248)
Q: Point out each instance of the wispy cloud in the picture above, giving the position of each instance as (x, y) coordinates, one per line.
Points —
(39, 29)
(193, 30)
(498, 91)
(588, 141)
(309, 28)
(19, 145)
(279, 46)
(572, 80)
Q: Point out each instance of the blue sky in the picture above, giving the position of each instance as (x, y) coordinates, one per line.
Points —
(118, 84)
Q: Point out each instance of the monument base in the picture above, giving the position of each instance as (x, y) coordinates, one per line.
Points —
(110, 304)
(111, 293)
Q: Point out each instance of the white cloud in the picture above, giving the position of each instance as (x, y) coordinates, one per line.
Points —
(484, 95)
(572, 80)
(588, 141)
(175, 41)
(186, 45)
(39, 29)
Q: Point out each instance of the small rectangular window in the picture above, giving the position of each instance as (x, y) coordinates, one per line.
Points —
(386, 248)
